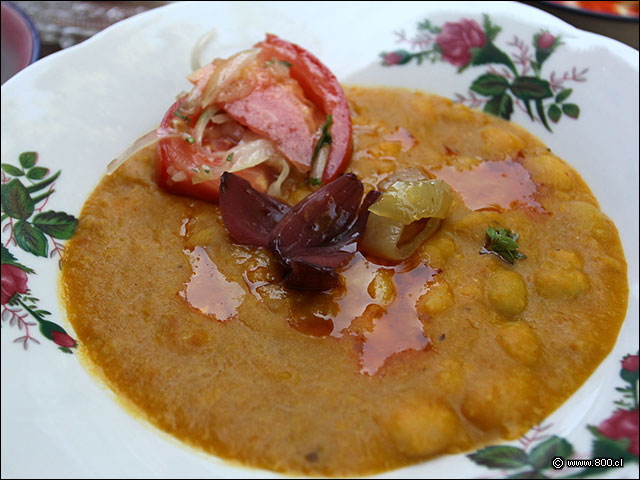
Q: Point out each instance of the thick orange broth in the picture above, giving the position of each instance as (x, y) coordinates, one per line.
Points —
(445, 352)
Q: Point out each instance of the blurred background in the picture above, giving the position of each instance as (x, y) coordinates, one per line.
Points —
(35, 29)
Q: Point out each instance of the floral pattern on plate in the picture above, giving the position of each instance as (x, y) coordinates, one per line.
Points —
(511, 81)
(614, 442)
(31, 229)
(79, 430)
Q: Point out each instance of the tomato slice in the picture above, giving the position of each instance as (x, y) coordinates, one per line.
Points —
(285, 109)
(177, 161)
(323, 89)
(275, 113)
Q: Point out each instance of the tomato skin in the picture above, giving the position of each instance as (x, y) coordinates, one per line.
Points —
(274, 113)
(176, 152)
(323, 89)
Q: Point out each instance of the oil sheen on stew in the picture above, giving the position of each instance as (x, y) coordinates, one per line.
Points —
(446, 352)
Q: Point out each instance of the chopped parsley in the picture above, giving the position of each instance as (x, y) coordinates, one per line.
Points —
(504, 244)
(325, 138)
(230, 157)
(191, 140)
(274, 61)
(183, 117)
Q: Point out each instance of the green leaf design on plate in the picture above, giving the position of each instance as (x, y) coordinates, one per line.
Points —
(9, 259)
(527, 104)
(607, 447)
(489, 28)
(531, 88)
(57, 224)
(47, 328)
(554, 112)
(405, 57)
(7, 256)
(489, 53)
(501, 106)
(541, 54)
(541, 455)
(500, 457)
(528, 474)
(43, 184)
(16, 201)
(426, 25)
(563, 95)
(490, 85)
(37, 173)
(11, 170)
(30, 239)
(571, 110)
(27, 159)
(629, 376)
(543, 117)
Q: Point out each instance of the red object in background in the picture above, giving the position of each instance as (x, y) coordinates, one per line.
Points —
(20, 42)
(621, 9)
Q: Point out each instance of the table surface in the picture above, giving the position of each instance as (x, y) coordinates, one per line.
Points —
(62, 24)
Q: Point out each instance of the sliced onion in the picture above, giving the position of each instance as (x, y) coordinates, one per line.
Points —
(221, 118)
(275, 189)
(199, 78)
(226, 73)
(200, 45)
(171, 133)
(278, 68)
(202, 123)
(250, 154)
(254, 153)
(179, 177)
(142, 142)
(204, 174)
(317, 169)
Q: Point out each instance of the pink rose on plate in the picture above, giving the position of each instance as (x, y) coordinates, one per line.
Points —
(622, 424)
(630, 363)
(392, 58)
(457, 39)
(14, 280)
(63, 339)
(546, 40)
(399, 57)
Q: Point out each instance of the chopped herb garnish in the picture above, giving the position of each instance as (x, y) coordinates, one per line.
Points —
(276, 60)
(315, 181)
(325, 138)
(191, 140)
(183, 117)
(230, 157)
(504, 244)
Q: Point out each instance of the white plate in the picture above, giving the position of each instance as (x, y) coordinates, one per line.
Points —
(80, 108)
